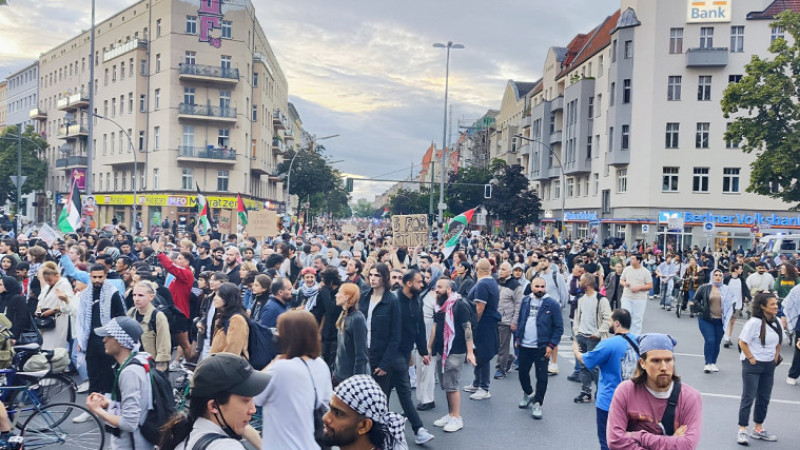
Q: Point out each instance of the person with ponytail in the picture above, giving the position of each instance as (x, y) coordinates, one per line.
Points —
(351, 351)
(760, 342)
(713, 304)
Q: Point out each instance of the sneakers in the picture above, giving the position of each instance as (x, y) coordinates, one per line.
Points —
(83, 387)
(442, 421)
(741, 437)
(763, 435)
(470, 388)
(175, 366)
(791, 381)
(669, 308)
(480, 394)
(727, 343)
(536, 411)
(583, 397)
(423, 436)
(574, 377)
(552, 369)
(426, 406)
(714, 368)
(84, 417)
(499, 374)
(455, 424)
(512, 361)
(707, 368)
(526, 400)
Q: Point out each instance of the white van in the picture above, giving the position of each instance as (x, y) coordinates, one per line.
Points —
(788, 244)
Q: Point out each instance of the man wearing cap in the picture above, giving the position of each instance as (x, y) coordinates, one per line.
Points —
(359, 418)
(203, 261)
(132, 395)
(344, 259)
(639, 416)
(509, 304)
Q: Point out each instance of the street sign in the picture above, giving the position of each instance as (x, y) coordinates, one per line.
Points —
(14, 180)
(674, 223)
(754, 229)
(708, 228)
(442, 206)
(645, 228)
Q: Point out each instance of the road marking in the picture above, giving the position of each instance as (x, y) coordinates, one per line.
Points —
(738, 397)
(688, 354)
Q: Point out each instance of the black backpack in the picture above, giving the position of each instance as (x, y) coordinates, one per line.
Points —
(261, 345)
(167, 306)
(163, 399)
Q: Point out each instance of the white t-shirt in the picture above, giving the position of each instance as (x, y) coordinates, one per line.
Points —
(288, 403)
(750, 335)
(636, 277)
(372, 306)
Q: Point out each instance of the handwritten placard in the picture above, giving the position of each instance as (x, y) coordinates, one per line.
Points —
(410, 230)
(262, 224)
(224, 225)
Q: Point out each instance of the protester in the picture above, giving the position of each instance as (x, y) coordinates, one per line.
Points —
(713, 304)
(351, 352)
(155, 339)
(485, 296)
(636, 281)
(231, 330)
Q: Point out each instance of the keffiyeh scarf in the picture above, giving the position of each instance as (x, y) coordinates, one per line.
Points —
(449, 332)
(363, 394)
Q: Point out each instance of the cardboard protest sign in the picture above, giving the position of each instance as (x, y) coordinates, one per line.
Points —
(262, 224)
(410, 230)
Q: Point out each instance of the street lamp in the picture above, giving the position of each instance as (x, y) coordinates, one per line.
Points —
(563, 177)
(289, 172)
(448, 46)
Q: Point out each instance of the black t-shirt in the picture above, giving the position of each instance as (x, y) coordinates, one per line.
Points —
(460, 315)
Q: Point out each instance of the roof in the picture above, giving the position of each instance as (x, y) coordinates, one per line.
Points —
(597, 40)
(293, 112)
(521, 88)
(560, 52)
(775, 8)
(573, 48)
(628, 19)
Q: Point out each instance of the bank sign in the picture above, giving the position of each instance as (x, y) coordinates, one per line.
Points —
(741, 219)
(704, 11)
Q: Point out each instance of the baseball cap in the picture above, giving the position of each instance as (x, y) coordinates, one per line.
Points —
(518, 266)
(226, 372)
(125, 330)
(345, 254)
(204, 244)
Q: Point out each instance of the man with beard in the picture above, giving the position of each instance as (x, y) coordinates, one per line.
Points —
(508, 305)
(232, 265)
(638, 403)
(203, 262)
(539, 330)
(278, 302)
(216, 263)
(353, 274)
(484, 297)
(396, 279)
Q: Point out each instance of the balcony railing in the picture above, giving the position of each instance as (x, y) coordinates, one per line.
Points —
(209, 152)
(74, 130)
(38, 114)
(71, 161)
(74, 101)
(185, 109)
(203, 71)
(707, 57)
(279, 120)
(278, 146)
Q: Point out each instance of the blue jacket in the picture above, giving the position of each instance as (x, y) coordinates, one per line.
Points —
(549, 324)
(273, 309)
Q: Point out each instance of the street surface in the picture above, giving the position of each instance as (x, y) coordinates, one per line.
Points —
(499, 423)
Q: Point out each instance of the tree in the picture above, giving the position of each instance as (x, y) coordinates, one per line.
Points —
(770, 122)
(512, 201)
(409, 202)
(313, 179)
(461, 195)
(363, 208)
(34, 168)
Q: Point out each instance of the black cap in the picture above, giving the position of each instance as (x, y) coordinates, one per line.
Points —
(204, 244)
(227, 373)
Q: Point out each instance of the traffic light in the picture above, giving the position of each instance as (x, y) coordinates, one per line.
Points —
(487, 191)
(348, 184)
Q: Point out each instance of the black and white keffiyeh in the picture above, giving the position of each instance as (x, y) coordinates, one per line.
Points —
(363, 394)
(116, 331)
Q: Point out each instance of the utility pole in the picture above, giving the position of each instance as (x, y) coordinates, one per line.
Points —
(19, 178)
(89, 175)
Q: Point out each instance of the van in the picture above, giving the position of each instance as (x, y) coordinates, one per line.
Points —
(787, 244)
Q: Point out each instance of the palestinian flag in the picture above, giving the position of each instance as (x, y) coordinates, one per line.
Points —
(385, 213)
(240, 209)
(70, 218)
(460, 221)
(203, 212)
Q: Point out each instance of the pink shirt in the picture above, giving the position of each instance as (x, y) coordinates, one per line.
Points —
(634, 409)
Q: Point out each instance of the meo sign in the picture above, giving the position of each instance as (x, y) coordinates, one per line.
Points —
(701, 11)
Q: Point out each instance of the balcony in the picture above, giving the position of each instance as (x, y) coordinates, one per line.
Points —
(258, 167)
(618, 157)
(557, 103)
(207, 113)
(124, 48)
(74, 101)
(279, 121)
(278, 146)
(210, 74)
(221, 155)
(707, 57)
(579, 166)
(555, 137)
(38, 114)
(71, 162)
(73, 131)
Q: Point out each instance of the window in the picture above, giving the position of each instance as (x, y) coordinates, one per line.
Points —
(611, 139)
(674, 87)
(188, 136)
(114, 73)
(187, 179)
(669, 179)
(224, 100)
(707, 37)
(588, 147)
(141, 140)
(142, 103)
(255, 79)
(191, 24)
(222, 180)
(116, 181)
(673, 129)
(122, 70)
(605, 202)
(157, 99)
(776, 32)
(158, 62)
(223, 140)
(190, 58)
(599, 106)
(143, 67)
(731, 143)
(188, 96)
(702, 134)
(158, 28)
(628, 49)
(225, 62)
(614, 51)
(155, 178)
(626, 90)
(591, 108)
(121, 105)
(737, 39)
(130, 102)
(113, 107)
(596, 183)
(704, 88)
(105, 78)
(105, 144)
(105, 108)
(600, 66)
(700, 179)
(557, 189)
(227, 29)
(570, 187)
(730, 180)
(156, 137)
(255, 113)
(622, 180)
(626, 137)
(675, 40)
(734, 78)
(612, 94)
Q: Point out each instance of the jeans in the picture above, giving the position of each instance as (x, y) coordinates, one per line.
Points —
(482, 377)
(602, 423)
(81, 369)
(666, 293)
(587, 376)
(503, 355)
(397, 378)
(636, 308)
(712, 331)
(794, 370)
(757, 383)
(687, 297)
(533, 357)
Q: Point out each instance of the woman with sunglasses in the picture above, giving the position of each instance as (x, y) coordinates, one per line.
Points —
(713, 304)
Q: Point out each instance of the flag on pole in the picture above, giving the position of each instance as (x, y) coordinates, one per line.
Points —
(385, 213)
(70, 218)
(240, 209)
(460, 221)
(203, 211)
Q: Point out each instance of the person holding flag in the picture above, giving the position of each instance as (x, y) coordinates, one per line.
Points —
(241, 211)
(69, 221)
(204, 213)
(463, 220)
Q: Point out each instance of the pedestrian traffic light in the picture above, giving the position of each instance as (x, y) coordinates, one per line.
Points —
(487, 191)
(348, 184)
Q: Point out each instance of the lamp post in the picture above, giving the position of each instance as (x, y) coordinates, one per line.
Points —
(563, 177)
(448, 46)
(135, 167)
(289, 172)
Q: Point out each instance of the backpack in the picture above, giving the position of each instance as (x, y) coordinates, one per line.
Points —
(163, 399)
(166, 306)
(261, 344)
(6, 349)
(630, 359)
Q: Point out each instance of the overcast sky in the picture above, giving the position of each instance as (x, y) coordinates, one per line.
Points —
(365, 69)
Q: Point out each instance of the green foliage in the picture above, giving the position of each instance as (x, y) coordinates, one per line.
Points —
(363, 208)
(767, 115)
(32, 166)
(409, 202)
(314, 179)
(512, 201)
(461, 197)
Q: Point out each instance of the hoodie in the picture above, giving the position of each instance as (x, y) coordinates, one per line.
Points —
(13, 305)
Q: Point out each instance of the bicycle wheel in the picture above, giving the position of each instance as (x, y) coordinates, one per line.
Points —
(53, 388)
(42, 430)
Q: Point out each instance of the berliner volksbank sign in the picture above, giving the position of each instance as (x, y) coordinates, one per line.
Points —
(703, 11)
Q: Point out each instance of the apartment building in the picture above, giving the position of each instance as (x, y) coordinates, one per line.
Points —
(186, 93)
(22, 96)
(628, 116)
(3, 104)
